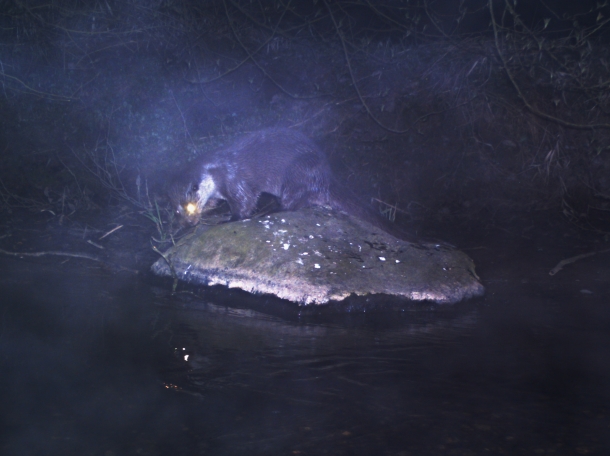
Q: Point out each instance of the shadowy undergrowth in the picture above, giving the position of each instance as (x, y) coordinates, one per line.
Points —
(469, 114)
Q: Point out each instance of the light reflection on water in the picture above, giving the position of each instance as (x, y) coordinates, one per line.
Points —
(94, 363)
(205, 333)
(278, 379)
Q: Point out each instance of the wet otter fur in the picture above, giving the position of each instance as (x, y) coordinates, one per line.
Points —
(280, 162)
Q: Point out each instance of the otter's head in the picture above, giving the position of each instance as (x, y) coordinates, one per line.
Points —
(190, 203)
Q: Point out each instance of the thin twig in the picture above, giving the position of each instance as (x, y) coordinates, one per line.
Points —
(573, 259)
(171, 268)
(53, 253)
(520, 93)
(110, 232)
(67, 254)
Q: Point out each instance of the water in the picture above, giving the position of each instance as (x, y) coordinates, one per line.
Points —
(105, 363)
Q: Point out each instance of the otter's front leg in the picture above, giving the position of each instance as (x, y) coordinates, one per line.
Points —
(242, 202)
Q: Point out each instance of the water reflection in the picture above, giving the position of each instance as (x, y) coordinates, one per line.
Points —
(98, 363)
(210, 339)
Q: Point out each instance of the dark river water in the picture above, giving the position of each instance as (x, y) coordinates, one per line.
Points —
(104, 363)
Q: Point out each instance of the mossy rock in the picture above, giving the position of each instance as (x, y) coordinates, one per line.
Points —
(316, 255)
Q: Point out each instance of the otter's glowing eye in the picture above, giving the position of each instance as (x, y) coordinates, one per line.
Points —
(191, 208)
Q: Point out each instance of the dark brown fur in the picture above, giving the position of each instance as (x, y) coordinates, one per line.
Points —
(281, 162)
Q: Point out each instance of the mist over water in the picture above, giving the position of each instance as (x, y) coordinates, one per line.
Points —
(103, 363)
(483, 124)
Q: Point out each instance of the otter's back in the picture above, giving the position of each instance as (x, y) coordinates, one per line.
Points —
(271, 160)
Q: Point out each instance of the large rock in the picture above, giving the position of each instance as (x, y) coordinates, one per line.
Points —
(316, 255)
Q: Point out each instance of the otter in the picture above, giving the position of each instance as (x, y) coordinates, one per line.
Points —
(280, 162)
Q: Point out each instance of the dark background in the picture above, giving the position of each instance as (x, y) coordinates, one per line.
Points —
(486, 127)
(445, 119)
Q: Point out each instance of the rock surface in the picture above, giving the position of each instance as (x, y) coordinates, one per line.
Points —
(314, 256)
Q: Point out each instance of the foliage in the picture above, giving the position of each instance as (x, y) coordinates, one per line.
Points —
(475, 111)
